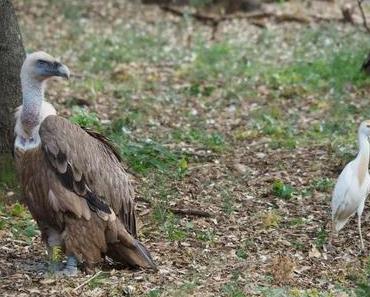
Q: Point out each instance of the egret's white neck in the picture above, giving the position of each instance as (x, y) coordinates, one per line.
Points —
(364, 151)
(33, 95)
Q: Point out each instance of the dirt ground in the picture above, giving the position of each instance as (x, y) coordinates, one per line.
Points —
(258, 153)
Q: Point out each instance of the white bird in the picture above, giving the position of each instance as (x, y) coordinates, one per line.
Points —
(353, 185)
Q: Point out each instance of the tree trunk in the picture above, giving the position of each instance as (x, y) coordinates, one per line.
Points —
(11, 58)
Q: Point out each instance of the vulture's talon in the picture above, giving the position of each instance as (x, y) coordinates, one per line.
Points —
(70, 268)
(67, 272)
(55, 267)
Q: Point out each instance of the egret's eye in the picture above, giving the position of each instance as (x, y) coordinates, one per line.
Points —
(368, 125)
(42, 63)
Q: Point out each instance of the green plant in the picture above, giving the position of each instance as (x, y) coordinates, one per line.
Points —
(99, 280)
(232, 289)
(86, 119)
(282, 190)
(227, 202)
(324, 184)
(154, 293)
(321, 237)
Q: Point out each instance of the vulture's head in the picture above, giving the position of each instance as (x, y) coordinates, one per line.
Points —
(40, 66)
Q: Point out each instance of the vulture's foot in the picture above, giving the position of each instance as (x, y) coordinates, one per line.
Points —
(55, 267)
(70, 269)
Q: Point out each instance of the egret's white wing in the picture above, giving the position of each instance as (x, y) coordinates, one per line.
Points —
(344, 203)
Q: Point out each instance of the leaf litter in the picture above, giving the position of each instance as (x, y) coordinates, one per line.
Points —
(227, 142)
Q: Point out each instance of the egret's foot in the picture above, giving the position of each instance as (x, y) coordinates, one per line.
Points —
(329, 247)
(363, 251)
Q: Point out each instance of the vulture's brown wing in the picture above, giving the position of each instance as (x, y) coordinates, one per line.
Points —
(105, 141)
(88, 165)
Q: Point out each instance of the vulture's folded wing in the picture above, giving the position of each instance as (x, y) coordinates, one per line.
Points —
(87, 164)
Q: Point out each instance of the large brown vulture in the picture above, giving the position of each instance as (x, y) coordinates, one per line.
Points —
(73, 182)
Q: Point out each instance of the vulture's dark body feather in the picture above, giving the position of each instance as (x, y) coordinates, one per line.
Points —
(74, 184)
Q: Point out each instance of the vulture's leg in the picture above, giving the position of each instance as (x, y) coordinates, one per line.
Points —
(71, 267)
(54, 242)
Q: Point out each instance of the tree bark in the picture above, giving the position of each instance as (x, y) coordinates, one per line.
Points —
(12, 55)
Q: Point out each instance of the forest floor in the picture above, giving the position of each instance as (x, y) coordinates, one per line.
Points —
(250, 123)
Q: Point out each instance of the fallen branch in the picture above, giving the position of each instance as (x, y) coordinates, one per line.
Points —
(280, 18)
(363, 15)
(87, 281)
(215, 19)
(190, 212)
(181, 211)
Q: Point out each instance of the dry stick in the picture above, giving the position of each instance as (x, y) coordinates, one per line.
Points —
(215, 19)
(363, 15)
(87, 281)
(183, 211)
(190, 212)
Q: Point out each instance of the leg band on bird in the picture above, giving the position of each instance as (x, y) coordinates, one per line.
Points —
(55, 258)
(56, 253)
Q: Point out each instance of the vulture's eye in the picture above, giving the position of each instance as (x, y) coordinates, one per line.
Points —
(42, 62)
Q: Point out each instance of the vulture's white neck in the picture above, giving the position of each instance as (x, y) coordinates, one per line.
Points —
(33, 95)
(30, 115)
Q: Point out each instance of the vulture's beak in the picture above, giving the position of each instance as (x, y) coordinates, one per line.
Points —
(62, 70)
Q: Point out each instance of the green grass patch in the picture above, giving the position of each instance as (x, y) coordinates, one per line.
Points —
(272, 123)
(18, 221)
(214, 141)
(103, 53)
(325, 73)
(321, 237)
(324, 184)
(145, 156)
(282, 190)
(8, 177)
(99, 281)
(154, 293)
(83, 118)
(227, 202)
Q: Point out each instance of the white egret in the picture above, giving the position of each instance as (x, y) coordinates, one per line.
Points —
(353, 185)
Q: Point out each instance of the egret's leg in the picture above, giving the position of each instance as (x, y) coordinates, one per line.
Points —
(332, 234)
(359, 214)
(359, 230)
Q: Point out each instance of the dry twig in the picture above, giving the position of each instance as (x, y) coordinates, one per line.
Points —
(87, 281)
(363, 15)
(190, 212)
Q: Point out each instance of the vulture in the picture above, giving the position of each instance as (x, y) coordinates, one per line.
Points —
(72, 180)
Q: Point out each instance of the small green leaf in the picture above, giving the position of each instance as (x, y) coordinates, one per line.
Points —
(282, 190)
(18, 210)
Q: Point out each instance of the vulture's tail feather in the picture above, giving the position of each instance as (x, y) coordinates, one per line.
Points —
(136, 255)
(145, 253)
